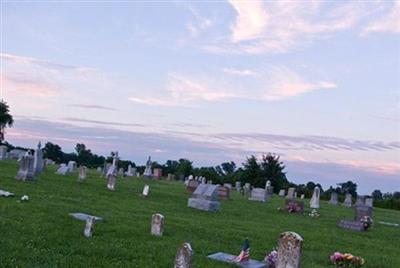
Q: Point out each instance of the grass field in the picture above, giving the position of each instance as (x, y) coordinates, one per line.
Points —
(40, 233)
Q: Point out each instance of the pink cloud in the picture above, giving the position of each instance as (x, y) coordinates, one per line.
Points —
(15, 85)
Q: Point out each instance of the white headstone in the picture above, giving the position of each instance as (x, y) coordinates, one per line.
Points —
(258, 194)
(71, 166)
(369, 202)
(148, 172)
(314, 202)
(348, 201)
(290, 193)
(282, 192)
(334, 199)
(146, 190)
(88, 232)
(38, 162)
(82, 173)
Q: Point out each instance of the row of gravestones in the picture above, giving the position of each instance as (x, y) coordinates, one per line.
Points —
(30, 165)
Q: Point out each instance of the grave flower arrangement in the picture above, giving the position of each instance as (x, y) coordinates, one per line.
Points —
(346, 260)
(292, 208)
(271, 258)
(314, 213)
(367, 222)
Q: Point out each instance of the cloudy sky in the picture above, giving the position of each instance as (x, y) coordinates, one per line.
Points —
(315, 82)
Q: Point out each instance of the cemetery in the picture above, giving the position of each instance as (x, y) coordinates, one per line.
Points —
(64, 221)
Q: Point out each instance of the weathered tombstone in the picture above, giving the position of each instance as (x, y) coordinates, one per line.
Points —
(360, 200)
(99, 170)
(238, 186)
(112, 173)
(203, 180)
(157, 173)
(184, 256)
(38, 163)
(82, 173)
(247, 188)
(170, 177)
(25, 171)
(192, 185)
(334, 199)
(223, 192)
(347, 201)
(361, 211)
(269, 189)
(157, 224)
(62, 170)
(258, 194)
(3, 152)
(147, 172)
(205, 198)
(282, 192)
(290, 193)
(5, 193)
(111, 181)
(146, 189)
(121, 171)
(369, 202)
(71, 166)
(88, 232)
(314, 202)
(289, 250)
(294, 206)
(129, 172)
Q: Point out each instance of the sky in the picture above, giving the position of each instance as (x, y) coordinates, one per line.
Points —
(315, 82)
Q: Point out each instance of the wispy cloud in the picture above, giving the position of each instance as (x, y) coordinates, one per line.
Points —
(25, 85)
(388, 23)
(244, 72)
(199, 24)
(93, 106)
(98, 122)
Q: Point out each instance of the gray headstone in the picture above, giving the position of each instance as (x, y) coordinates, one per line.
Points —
(282, 192)
(71, 166)
(84, 216)
(62, 170)
(183, 257)
(352, 225)
(228, 258)
(369, 202)
(289, 250)
(361, 211)
(238, 186)
(26, 171)
(82, 173)
(334, 199)
(3, 152)
(88, 231)
(314, 202)
(258, 194)
(290, 193)
(205, 198)
(157, 224)
(38, 162)
(348, 201)
(148, 172)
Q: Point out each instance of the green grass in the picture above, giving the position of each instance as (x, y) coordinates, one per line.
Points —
(40, 233)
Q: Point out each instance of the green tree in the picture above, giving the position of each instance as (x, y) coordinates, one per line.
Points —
(377, 195)
(53, 152)
(228, 167)
(6, 119)
(348, 187)
(184, 167)
(252, 172)
(273, 170)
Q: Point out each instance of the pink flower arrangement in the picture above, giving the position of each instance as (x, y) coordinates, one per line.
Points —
(346, 260)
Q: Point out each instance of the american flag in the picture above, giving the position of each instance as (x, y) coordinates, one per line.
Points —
(245, 253)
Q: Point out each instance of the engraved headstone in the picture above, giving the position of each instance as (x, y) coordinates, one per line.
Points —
(112, 173)
(314, 202)
(348, 201)
(238, 186)
(362, 211)
(352, 225)
(223, 192)
(71, 166)
(334, 199)
(369, 202)
(290, 193)
(184, 256)
(88, 232)
(258, 194)
(192, 184)
(25, 171)
(146, 189)
(289, 250)
(157, 173)
(82, 173)
(62, 170)
(205, 198)
(157, 224)
(170, 177)
(282, 192)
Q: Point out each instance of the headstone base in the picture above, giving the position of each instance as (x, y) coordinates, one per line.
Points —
(352, 225)
(224, 257)
(203, 204)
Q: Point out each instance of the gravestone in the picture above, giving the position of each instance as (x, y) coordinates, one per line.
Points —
(192, 185)
(88, 232)
(360, 200)
(334, 199)
(258, 194)
(157, 224)
(238, 186)
(228, 185)
(99, 170)
(157, 173)
(228, 258)
(294, 206)
(71, 166)
(203, 180)
(184, 256)
(5, 193)
(121, 171)
(290, 193)
(170, 177)
(314, 202)
(362, 211)
(352, 225)
(369, 202)
(147, 172)
(130, 172)
(112, 173)
(82, 173)
(62, 170)
(146, 189)
(111, 181)
(210, 182)
(289, 250)
(247, 188)
(347, 201)
(25, 172)
(83, 216)
(3, 152)
(223, 192)
(302, 196)
(38, 162)
(16, 154)
(282, 192)
(269, 189)
(205, 198)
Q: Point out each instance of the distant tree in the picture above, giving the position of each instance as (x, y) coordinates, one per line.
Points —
(228, 168)
(85, 156)
(171, 166)
(184, 167)
(6, 119)
(273, 170)
(53, 152)
(348, 187)
(252, 171)
(396, 195)
(210, 173)
(377, 195)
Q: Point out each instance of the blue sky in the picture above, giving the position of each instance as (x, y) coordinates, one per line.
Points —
(315, 82)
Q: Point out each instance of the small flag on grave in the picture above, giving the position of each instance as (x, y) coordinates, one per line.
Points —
(245, 253)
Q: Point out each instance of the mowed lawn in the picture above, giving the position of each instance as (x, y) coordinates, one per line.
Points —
(40, 233)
